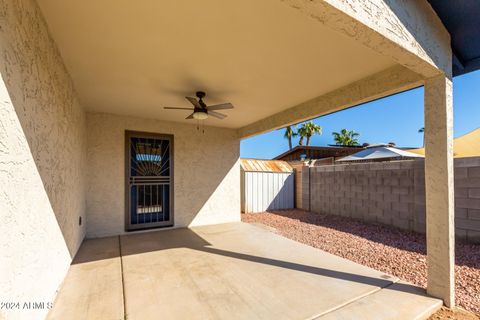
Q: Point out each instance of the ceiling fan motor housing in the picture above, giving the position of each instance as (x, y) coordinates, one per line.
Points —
(200, 95)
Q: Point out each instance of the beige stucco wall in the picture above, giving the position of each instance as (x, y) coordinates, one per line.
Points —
(439, 186)
(42, 162)
(206, 172)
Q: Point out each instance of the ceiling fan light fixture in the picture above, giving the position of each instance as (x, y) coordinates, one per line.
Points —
(200, 115)
(201, 111)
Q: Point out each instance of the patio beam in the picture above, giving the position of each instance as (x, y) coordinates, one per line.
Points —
(390, 81)
(408, 32)
(439, 189)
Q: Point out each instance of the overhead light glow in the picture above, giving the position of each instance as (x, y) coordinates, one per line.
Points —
(200, 115)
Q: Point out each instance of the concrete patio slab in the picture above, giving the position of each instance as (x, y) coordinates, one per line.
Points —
(230, 271)
(400, 300)
(92, 288)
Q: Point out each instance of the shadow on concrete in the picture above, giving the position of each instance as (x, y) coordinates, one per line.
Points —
(108, 248)
(97, 249)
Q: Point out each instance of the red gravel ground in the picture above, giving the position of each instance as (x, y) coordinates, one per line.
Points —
(396, 252)
(447, 314)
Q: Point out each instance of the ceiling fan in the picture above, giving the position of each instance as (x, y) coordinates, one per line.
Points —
(201, 111)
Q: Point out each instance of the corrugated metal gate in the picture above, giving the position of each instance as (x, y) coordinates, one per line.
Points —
(266, 185)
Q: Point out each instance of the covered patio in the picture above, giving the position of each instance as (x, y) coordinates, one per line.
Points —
(227, 271)
(85, 83)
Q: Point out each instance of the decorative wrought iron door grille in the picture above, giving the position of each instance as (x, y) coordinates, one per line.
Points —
(149, 175)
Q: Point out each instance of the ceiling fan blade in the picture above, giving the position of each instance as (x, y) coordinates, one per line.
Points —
(175, 108)
(189, 117)
(217, 115)
(194, 102)
(221, 106)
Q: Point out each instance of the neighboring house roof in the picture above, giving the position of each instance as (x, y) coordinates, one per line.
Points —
(379, 153)
(257, 165)
(464, 146)
(331, 150)
(461, 18)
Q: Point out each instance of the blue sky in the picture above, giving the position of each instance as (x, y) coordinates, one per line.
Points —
(392, 119)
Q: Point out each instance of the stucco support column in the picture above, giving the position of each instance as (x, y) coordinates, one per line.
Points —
(439, 188)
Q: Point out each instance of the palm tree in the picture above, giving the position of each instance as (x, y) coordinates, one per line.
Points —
(289, 134)
(311, 129)
(302, 133)
(422, 130)
(346, 138)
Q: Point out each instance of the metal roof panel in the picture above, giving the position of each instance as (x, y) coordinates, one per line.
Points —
(257, 165)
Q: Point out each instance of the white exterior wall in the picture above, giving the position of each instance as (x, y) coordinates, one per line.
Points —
(262, 191)
(206, 172)
(42, 163)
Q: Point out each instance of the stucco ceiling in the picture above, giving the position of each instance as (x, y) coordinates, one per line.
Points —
(135, 57)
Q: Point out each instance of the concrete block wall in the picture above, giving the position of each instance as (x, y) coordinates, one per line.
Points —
(297, 169)
(375, 192)
(305, 183)
(467, 199)
(391, 193)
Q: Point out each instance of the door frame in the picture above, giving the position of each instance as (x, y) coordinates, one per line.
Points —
(141, 134)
